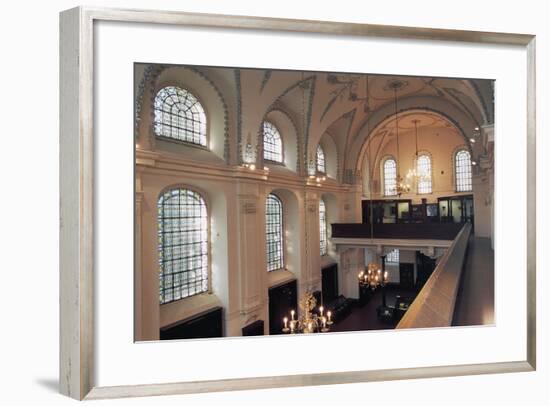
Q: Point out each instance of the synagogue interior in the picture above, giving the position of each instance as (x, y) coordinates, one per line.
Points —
(290, 202)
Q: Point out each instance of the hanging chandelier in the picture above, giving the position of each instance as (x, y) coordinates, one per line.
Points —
(401, 185)
(373, 276)
(307, 321)
(414, 176)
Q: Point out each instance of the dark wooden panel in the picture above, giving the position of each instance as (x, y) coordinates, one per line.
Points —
(406, 276)
(254, 329)
(436, 231)
(424, 269)
(282, 299)
(206, 325)
(329, 285)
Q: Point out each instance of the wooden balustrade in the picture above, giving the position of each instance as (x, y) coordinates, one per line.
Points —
(435, 303)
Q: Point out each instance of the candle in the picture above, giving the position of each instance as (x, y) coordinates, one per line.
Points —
(324, 321)
(292, 314)
(321, 308)
(285, 320)
(292, 326)
(329, 313)
(310, 326)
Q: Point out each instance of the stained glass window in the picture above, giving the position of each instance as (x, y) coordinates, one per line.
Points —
(321, 165)
(463, 171)
(274, 232)
(182, 244)
(390, 177)
(323, 227)
(273, 145)
(424, 171)
(180, 116)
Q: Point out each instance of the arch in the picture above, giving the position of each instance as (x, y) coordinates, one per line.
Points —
(293, 238)
(183, 226)
(331, 155)
(289, 135)
(431, 105)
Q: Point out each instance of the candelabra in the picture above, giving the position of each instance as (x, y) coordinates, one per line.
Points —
(307, 321)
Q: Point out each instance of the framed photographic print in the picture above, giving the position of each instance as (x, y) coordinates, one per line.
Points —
(329, 191)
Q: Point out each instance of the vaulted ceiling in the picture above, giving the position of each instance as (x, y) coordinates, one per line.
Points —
(349, 107)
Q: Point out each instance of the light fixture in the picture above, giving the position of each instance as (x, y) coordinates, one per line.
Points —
(402, 186)
(307, 321)
(413, 174)
(373, 276)
(472, 140)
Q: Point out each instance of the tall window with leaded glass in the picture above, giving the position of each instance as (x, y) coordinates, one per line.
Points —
(274, 233)
(463, 171)
(390, 177)
(323, 227)
(273, 144)
(179, 116)
(321, 163)
(424, 171)
(182, 245)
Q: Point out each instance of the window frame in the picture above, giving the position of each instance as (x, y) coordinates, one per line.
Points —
(320, 148)
(455, 172)
(323, 221)
(383, 170)
(426, 154)
(201, 194)
(177, 140)
(282, 161)
(396, 253)
(282, 234)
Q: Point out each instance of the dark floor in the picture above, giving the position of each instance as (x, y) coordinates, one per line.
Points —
(475, 301)
(365, 318)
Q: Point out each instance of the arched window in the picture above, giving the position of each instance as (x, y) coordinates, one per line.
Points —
(180, 116)
(463, 171)
(424, 171)
(323, 227)
(273, 145)
(182, 244)
(321, 164)
(274, 232)
(390, 177)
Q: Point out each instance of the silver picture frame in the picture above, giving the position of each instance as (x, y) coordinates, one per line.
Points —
(77, 199)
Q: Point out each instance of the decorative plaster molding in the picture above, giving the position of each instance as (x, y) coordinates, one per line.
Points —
(265, 79)
(249, 207)
(237, 74)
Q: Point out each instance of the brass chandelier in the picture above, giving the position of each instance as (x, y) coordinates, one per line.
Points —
(401, 185)
(307, 321)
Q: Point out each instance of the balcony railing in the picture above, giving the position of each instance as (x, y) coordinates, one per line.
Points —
(435, 303)
(428, 231)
